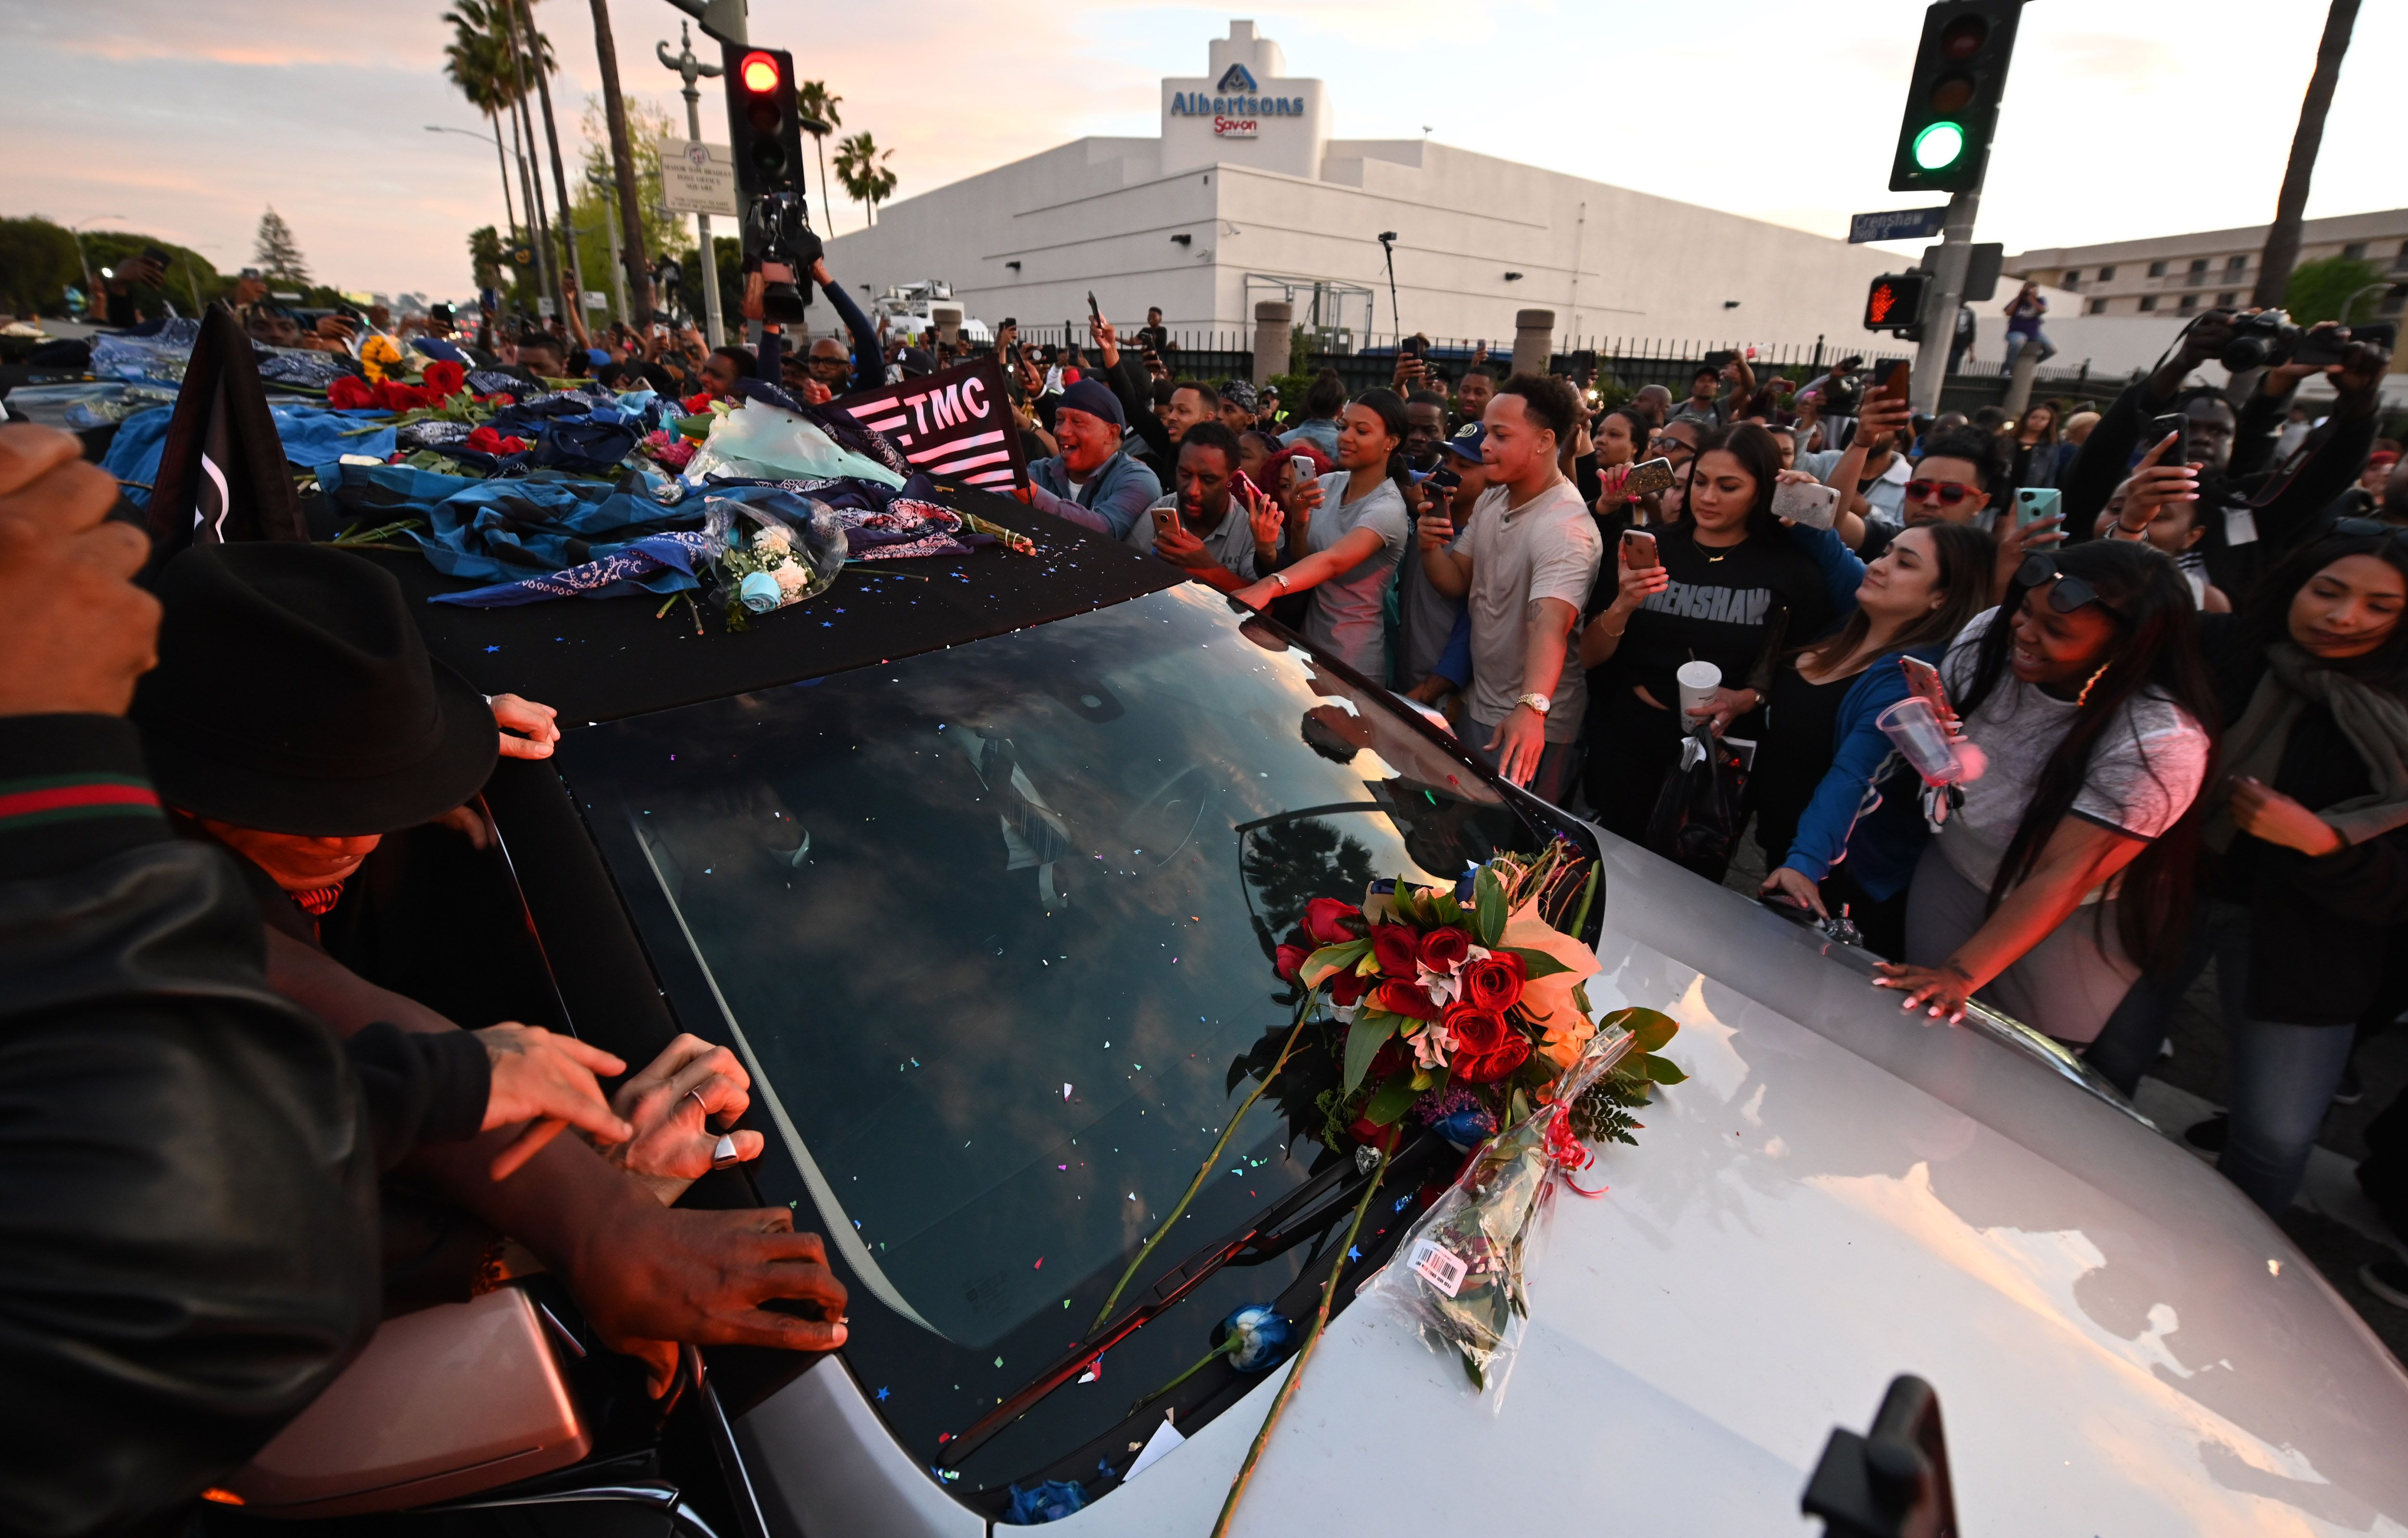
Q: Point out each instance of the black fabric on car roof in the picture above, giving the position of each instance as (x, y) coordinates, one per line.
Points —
(598, 659)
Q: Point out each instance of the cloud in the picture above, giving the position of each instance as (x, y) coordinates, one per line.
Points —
(2134, 64)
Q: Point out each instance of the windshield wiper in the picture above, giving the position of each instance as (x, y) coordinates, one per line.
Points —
(1308, 1210)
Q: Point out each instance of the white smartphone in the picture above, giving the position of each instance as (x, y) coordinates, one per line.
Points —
(1810, 503)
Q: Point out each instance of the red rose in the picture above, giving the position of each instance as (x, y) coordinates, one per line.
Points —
(350, 392)
(1393, 944)
(695, 405)
(1476, 1031)
(1398, 997)
(1347, 987)
(1487, 1069)
(1371, 1134)
(445, 378)
(1330, 923)
(1495, 981)
(1288, 960)
(1394, 1056)
(1443, 950)
(395, 396)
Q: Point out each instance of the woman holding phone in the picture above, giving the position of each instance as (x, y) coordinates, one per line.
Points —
(1822, 759)
(1723, 586)
(1352, 540)
(2305, 876)
(2084, 692)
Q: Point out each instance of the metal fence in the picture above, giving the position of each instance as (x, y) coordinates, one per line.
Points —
(1631, 363)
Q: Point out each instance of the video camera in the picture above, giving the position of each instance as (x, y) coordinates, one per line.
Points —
(779, 241)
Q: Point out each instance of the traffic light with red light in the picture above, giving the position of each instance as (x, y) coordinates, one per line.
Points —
(1952, 102)
(1895, 304)
(764, 123)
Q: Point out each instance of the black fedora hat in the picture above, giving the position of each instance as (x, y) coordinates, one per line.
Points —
(294, 695)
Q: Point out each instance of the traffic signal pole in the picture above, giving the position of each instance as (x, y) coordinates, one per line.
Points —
(1947, 292)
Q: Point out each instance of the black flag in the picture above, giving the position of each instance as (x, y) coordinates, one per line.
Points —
(221, 472)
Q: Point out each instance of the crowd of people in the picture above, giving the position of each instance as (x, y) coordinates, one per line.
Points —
(2173, 658)
(2181, 672)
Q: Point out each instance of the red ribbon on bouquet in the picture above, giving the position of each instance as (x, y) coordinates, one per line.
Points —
(1569, 1153)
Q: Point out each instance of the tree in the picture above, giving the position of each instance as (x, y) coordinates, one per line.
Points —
(663, 232)
(2318, 289)
(276, 253)
(622, 163)
(37, 262)
(817, 105)
(2291, 205)
(477, 61)
(861, 166)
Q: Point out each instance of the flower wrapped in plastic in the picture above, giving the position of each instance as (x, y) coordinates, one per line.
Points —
(1458, 1270)
(772, 553)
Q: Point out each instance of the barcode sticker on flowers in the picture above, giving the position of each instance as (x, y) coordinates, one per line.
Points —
(1439, 1266)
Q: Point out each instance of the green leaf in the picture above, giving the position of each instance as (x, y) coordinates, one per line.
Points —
(1580, 997)
(1407, 907)
(1393, 1099)
(1488, 912)
(1652, 1028)
(1329, 960)
(1364, 1039)
(1535, 963)
(1446, 908)
(1662, 1071)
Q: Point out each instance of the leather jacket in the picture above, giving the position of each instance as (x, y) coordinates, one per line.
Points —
(188, 1184)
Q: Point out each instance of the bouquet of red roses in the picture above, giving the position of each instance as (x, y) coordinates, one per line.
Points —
(1446, 989)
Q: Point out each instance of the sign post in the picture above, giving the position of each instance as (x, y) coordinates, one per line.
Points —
(689, 69)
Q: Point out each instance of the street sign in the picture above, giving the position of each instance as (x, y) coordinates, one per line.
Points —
(698, 177)
(1983, 262)
(1899, 225)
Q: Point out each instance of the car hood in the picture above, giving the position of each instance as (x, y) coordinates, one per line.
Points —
(1840, 1193)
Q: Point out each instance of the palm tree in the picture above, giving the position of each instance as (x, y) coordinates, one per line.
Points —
(2282, 251)
(539, 53)
(811, 99)
(475, 63)
(861, 165)
(623, 165)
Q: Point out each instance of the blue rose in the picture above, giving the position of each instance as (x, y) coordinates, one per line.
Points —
(1466, 1126)
(1258, 1338)
(760, 592)
(1047, 1502)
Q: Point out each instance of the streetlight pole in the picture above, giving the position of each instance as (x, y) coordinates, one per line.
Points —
(691, 69)
(509, 215)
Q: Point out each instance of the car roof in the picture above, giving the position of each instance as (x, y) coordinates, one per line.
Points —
(598, 659)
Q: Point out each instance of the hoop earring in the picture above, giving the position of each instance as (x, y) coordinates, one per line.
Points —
(2084, 698)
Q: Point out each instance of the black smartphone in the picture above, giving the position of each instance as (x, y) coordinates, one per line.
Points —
(1413, 347)
(1093, 313)
(1898, 381)
(152, 254)
(2172, 422)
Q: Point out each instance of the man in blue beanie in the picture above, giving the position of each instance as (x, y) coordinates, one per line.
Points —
(1092, 482)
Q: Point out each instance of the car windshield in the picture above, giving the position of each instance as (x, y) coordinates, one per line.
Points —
(995, 921)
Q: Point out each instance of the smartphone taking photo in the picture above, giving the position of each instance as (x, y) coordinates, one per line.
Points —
(1639, 550)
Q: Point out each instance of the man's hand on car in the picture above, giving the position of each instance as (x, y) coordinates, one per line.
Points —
(701, 1277)
(536, 726)
(76, 630)
(673, 1105)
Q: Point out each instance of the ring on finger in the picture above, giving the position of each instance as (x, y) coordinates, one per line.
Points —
(695, 1095)
(722, 1153)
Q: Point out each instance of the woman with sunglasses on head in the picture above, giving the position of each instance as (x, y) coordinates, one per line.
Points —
(1353, 538)
(1839, 817)
(2085, 694)
(2305, 877)
(1727, 585)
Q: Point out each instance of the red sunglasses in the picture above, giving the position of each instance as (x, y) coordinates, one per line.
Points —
(1947, 492)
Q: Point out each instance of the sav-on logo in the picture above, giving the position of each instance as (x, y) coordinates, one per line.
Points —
(1237, 78)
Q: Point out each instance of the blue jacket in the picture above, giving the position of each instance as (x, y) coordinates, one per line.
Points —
(1111, 502)
(1881, 846)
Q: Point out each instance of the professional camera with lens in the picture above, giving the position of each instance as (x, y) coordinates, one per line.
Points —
(780, 243)
(2261, 341)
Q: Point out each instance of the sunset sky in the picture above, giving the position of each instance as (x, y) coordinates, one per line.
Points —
(2124, 118)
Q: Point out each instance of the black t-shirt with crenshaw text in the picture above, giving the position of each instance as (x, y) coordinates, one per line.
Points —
(1720, 608)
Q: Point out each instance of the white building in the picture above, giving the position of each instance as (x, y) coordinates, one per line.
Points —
(1247, 196)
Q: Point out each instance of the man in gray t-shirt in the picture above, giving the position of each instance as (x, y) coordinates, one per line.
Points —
(1201, 526)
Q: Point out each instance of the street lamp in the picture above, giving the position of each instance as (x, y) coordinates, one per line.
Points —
(509, 214)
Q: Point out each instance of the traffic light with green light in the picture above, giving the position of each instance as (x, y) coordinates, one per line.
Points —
(764, 123)
(1952, 102)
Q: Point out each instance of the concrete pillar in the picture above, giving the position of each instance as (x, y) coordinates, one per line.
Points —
(2019, 380)
(1274, 326)
(1534, 340)
(947, 321)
